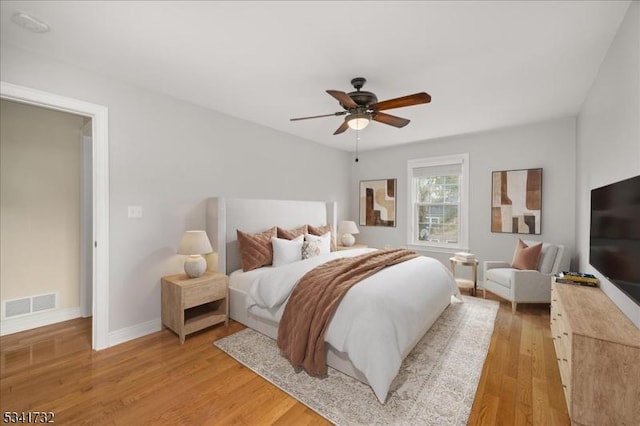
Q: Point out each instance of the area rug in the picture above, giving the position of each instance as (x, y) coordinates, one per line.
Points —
(436, 384)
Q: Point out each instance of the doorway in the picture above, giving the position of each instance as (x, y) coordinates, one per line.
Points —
(99, 257)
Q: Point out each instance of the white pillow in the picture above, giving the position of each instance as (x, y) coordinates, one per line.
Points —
(324, 241)
(286, 251)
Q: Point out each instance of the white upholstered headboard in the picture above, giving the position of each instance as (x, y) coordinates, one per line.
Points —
(226, 215)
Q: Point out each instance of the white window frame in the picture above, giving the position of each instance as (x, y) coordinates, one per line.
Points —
(463, 212)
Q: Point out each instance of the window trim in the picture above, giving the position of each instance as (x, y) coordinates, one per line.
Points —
(463, 214)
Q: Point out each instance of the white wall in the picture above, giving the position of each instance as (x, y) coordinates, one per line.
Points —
(40, 209)
(608, 138)
(168, 156)
(550, 145)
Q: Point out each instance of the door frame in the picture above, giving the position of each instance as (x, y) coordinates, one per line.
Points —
(99, 121)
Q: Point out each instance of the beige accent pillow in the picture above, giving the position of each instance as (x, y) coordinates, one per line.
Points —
(255, 249)
(321, 230)
(290, 234)
(323, 241)
(526, 257)
(311, 249)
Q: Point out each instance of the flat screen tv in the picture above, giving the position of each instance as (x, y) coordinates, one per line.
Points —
(614, 248)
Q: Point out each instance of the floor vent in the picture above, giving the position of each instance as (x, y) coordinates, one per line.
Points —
(29, 305)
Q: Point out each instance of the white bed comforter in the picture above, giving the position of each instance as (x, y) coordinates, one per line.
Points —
(378, 321)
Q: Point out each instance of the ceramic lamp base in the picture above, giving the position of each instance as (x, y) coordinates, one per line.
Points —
(347, 240)
(195, 265)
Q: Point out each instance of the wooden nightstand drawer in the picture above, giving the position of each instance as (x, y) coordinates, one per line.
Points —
(204, 292)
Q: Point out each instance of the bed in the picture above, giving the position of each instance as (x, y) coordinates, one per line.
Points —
(376, 324)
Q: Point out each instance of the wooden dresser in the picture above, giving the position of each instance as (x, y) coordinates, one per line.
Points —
(598, 352)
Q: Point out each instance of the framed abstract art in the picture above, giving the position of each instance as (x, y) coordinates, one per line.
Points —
(516, 201)
(378, 202)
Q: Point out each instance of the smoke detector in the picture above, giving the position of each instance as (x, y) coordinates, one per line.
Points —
(29, 22)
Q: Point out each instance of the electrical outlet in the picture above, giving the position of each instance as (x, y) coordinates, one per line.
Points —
(134, 212)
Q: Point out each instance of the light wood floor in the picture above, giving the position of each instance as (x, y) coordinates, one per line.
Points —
(156, 380)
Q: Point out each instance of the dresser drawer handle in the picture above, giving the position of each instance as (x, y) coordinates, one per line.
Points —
(559, 314)
(566, 334)
(565, 360)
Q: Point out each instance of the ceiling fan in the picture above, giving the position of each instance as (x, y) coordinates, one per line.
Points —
(360, 107)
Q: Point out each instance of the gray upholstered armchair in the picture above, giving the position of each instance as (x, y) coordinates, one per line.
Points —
(526, 286)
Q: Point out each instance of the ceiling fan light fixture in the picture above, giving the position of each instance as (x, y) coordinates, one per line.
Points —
(358, 120)
(361, 106)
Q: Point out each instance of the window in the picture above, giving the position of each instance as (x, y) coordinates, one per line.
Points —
(438, 202)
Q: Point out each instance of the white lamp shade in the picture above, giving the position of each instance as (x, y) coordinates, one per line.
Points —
(348, 227)
(194, 242)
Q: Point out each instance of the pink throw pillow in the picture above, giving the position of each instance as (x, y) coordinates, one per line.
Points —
(256, 250)
(526, 257)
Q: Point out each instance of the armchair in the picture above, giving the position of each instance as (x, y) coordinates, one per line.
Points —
(526, 286)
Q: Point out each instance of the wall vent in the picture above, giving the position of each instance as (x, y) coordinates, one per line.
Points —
(29, 305)
(43, 302)
(17, 307)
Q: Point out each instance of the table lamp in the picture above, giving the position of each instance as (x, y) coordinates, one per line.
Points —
(347, 228)
(194, 244)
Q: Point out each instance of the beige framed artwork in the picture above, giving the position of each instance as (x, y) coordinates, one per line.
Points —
(516, 201)
(378, 202)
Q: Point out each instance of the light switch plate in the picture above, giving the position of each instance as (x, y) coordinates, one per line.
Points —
(134, 212)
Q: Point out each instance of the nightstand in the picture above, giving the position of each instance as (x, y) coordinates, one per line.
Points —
(472, 284)
(353, 247)
(191, 304)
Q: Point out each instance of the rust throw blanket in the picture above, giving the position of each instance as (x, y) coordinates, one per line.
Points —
(315, 299)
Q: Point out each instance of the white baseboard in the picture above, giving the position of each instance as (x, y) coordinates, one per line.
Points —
(28, 322)
(133, 332)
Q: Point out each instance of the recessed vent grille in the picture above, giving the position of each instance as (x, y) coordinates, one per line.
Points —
(17, 307)
(43, 302)
(30, 305)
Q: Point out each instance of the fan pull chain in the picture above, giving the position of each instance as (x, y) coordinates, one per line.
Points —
(357, 140)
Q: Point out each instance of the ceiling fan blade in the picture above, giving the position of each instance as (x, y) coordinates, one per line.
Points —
(389, 119)
(409, 100)
(344, 126)
(343, 98)
(319, 116)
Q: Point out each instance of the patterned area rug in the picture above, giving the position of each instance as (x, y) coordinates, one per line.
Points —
(436, 384)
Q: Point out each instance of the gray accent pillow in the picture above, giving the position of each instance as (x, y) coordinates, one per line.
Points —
(547, 258)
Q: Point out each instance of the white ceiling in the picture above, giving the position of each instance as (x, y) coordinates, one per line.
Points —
(485, 64)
